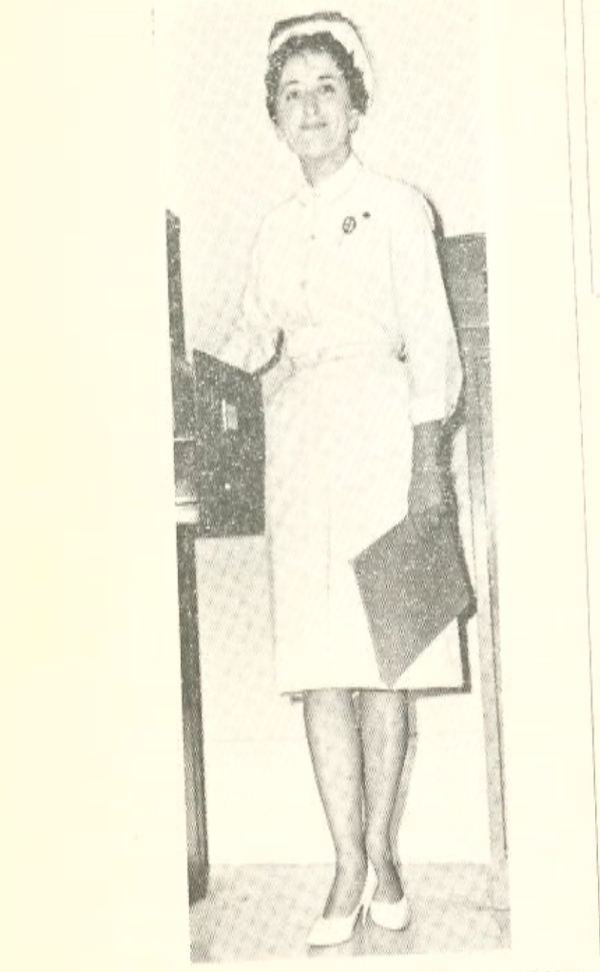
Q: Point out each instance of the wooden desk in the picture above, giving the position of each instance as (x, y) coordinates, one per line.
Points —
(191, 700)
(186, 510)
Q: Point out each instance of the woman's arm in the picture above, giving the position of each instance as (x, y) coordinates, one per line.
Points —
(432, 359)
(253, 340)
(426, 491)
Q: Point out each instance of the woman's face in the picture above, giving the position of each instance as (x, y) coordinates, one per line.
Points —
(314, 112)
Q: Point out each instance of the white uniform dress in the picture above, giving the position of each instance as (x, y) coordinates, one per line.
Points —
(349, 271)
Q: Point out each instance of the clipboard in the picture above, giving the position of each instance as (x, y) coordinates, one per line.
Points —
(412, 587)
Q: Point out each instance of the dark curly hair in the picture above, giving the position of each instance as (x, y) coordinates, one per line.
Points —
(322, 42)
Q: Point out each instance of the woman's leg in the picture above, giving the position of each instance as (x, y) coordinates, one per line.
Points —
(384, 731)
(336, 752)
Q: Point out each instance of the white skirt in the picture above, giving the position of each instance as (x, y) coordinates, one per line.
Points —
(339, 449)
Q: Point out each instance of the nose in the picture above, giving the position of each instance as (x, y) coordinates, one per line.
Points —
(310, 104)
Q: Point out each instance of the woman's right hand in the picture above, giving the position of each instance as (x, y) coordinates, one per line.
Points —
(277, 371)
(275, 377)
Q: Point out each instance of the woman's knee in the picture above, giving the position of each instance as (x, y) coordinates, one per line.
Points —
(326, 703)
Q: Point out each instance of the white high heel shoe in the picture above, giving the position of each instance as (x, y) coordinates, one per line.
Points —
(394, 915)
(339, 929)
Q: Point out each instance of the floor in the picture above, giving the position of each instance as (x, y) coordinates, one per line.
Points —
(261, 912)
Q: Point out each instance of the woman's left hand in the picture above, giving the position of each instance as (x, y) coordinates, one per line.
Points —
(426, 498)
(426, 490)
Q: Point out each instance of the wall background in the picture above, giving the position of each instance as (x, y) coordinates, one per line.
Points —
(223, 169)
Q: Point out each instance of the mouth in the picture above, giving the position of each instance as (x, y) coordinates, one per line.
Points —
(313, 128)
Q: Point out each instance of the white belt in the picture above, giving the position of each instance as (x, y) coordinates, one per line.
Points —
(332, 355)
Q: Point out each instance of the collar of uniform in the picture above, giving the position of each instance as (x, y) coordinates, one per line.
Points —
(335, 185)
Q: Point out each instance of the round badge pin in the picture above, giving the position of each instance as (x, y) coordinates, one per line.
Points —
(349, 224)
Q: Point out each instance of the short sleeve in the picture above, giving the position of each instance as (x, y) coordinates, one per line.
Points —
(429, 339)
(253, 339)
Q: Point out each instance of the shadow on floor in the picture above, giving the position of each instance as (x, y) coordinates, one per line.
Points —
(264, 912)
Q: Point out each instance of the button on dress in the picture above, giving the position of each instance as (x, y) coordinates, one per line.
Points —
(349, 272)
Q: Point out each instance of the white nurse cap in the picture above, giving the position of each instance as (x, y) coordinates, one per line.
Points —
(338, 26)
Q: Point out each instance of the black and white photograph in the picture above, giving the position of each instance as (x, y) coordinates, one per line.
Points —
(334, 464)
(299, 621)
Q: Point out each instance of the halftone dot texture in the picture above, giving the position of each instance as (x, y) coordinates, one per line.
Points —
(229, 170)
(339, 432)
(225, 168)
(236, 642)
(266, 912)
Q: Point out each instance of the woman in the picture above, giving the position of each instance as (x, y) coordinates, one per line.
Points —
(355, 409)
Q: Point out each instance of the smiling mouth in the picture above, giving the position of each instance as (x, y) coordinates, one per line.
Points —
(313, 128)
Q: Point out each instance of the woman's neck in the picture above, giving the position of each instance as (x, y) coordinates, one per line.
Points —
(317, 170)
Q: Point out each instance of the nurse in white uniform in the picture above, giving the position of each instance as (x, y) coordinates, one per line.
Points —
(370, 371)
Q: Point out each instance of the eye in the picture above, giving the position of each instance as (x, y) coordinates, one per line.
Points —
(291, 95)
(327, 88)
